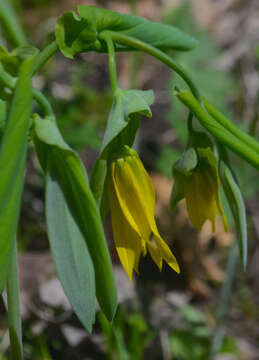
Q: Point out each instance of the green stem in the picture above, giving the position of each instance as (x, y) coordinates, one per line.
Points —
(44, 56)
(238, 145)
(11, 23)
(6, 79)
(135, 57)
(43, 102)
(228, 125)
(13, 300)
(224, 302)
(160, 55)
(112, 59)
(41, 59)
(10, 82)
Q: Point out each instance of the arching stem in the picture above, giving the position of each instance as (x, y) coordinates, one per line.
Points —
(112, 60)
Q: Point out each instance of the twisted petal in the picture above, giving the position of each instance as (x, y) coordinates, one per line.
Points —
(159, 251)
(135, 205)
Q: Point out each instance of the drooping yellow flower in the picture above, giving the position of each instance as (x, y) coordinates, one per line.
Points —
(201, 191)
(132, 203)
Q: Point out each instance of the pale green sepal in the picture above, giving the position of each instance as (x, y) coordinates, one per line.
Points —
(187, 163)
(177, 193)
(181, 169)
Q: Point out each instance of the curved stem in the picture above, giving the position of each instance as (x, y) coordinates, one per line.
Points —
(112, 59)
(160, 55)
(239, 145)
(6, 79)
(44, 56)
(43, 103)
(10, 82)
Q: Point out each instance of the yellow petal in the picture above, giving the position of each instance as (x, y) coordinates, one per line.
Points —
(144, 181)
(127, 240)
(119, 190)
(133, 199)
(200, 195)
(165, 252)
(155, 254)
(132, 203)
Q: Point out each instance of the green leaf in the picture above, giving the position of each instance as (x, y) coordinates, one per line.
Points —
(127, 105)
(14, 316)
(237, 206)
(73, 180)
(12, 164)
(121, 129)
(76, 34)
(70, 253)
(11, 61)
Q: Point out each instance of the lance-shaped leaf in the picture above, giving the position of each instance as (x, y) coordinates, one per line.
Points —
(12, 164)
(237, 206)
(240, 145)
(70, 253)
(76, 34)
(121, 129)
(72, 178)
(13, 301)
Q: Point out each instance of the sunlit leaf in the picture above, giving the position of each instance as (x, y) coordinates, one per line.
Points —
(70, 253)
(76, 34)
(73, 180)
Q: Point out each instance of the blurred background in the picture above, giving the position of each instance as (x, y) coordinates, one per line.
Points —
(163, 315)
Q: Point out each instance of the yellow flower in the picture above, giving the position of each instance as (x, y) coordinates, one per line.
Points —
(201, 191)
(132, 203)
